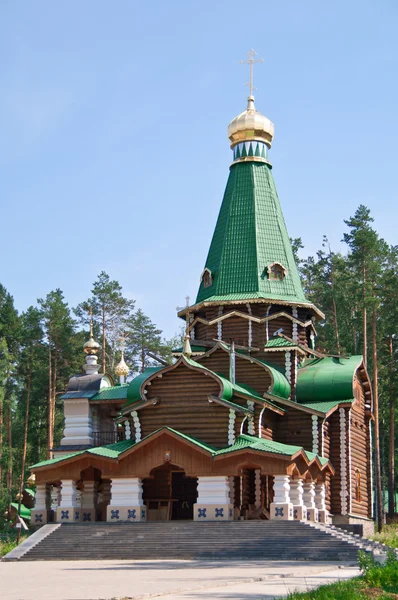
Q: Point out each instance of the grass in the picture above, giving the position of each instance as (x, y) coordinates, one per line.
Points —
(8, 539)
(389, 535)
(378, 582)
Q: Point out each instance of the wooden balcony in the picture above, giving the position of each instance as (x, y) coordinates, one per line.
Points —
(104, 438)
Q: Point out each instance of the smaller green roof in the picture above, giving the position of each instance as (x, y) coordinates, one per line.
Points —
(110, 451)
(255, 443)
(116, 392)
(134, 387)
(328, 378)
(279, 342)
(325, 406)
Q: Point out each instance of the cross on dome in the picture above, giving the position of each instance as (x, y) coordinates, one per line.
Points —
(251, 61)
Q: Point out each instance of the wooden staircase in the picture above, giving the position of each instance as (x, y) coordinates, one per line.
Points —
(235, 540)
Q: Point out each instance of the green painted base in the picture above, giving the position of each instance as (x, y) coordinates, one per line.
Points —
(213, 512)
(133, 514)
(281, 512)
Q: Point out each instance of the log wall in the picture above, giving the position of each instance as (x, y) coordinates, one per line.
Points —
(360, 455)
(295, 428)
(246, 372)
(184, 405)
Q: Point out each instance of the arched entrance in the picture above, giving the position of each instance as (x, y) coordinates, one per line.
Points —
(252, 493)
(169, 494)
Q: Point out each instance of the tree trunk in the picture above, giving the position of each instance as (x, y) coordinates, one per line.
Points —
(365, 319)
(1, 443)
(50, 403)
(25, 442)
(391, 448)
(379, 499)
(10, 452)
(335, 321)
(103, 341)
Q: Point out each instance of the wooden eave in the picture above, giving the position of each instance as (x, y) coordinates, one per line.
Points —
(293, 404)
(205, 303)
(247, 317)
(163, 431)
(229, 404)
(262, 402)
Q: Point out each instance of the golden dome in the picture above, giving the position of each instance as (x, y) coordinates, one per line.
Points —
(250, 125)
(122, 369)
(91, 347)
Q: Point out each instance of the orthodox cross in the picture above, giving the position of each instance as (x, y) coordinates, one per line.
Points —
(91, 320)
(250, 61)
(122, 341)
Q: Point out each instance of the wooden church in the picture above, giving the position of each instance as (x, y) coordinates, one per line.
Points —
(251, 421)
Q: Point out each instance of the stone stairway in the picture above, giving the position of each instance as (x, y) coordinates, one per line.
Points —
(235, 540)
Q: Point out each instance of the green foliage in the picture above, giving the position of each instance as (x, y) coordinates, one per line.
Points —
(389, 535)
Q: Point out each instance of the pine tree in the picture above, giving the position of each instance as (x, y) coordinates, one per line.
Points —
(110, 311)
(58, 326)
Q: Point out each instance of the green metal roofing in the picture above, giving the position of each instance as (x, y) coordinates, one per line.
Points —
(254, 443)
(134, 387)
(187, 437)
(110, 451)
(116, 392)
(250, 234)
(327, 378)
(279, 342)
(325, 406)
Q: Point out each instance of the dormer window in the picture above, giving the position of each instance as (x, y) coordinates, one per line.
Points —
(207, 278)
(276, 271)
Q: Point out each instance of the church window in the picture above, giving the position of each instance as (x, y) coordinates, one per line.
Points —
(207, 278)
(276, 271)
(358, 485)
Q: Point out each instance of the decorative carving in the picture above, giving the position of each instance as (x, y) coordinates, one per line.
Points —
(137, 425)
(202, 512)
(115, 514)
(315, 442)
(231, 427)
(343, 462)
(131, 514)
(219, 512)
(288, 366)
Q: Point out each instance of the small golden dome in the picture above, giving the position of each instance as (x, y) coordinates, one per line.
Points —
(250, 125)
(122, 369)
(91, 347)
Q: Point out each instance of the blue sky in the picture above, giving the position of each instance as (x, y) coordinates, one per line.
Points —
(113, 150)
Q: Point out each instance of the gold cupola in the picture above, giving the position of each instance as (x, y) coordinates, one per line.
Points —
(250, 126)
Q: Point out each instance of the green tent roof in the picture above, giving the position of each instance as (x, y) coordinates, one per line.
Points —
(250, 234)
(328, 378)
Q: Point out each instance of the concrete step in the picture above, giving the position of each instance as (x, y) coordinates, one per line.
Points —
(236, 540)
